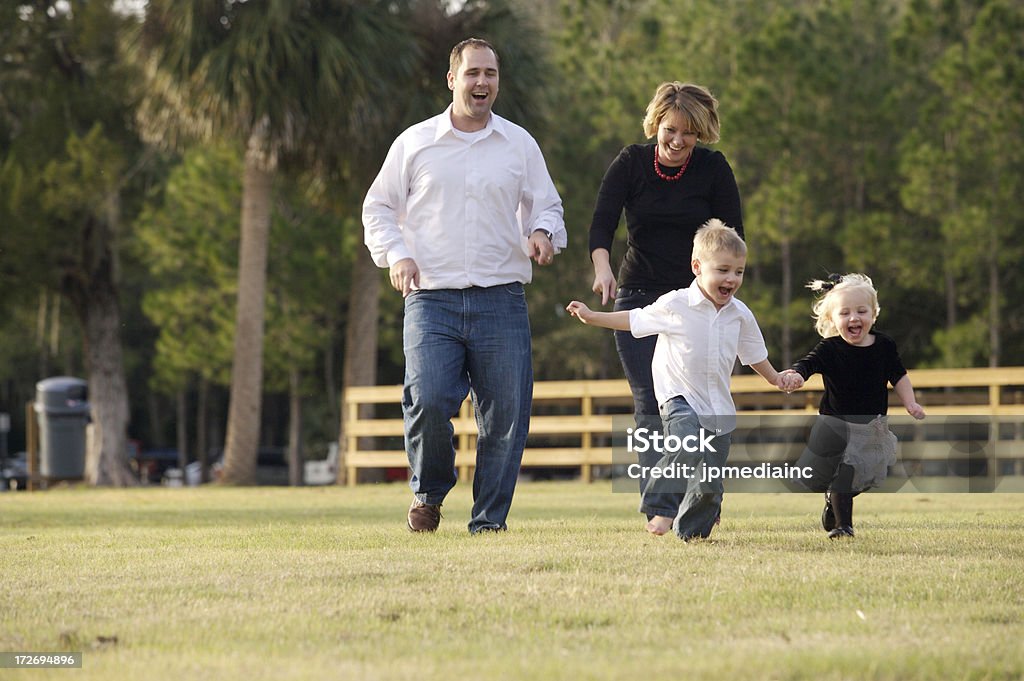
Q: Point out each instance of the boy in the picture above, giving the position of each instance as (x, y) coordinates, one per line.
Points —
(701, 330)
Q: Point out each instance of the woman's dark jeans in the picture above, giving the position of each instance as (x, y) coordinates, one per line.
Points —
(636, 355)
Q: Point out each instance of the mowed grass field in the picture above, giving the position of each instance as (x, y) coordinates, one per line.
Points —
(326, 583)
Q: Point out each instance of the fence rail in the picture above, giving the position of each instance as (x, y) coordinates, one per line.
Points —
(572, 421)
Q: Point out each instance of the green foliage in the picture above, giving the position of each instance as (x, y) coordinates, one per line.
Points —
(72, 173)
(307, 265)
(882, 136)
(188, 238)
(963, 160)
(80, 185)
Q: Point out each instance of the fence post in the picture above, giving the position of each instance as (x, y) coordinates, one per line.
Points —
(465, 412)
(587, 410)
(352, 442)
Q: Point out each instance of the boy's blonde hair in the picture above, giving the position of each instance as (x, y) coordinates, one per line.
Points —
(824, 307)
(716, 236)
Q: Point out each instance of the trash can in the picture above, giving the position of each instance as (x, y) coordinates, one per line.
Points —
(62, 409)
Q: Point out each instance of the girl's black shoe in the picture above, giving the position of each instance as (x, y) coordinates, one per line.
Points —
(841, 532)
(828, 518)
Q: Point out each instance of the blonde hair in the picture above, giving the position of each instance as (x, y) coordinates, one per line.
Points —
(694, 102)
(823, 308)
(716, 236)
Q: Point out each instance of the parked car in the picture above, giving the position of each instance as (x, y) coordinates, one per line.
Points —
(271, 465)
(14, 472)
(152, 464)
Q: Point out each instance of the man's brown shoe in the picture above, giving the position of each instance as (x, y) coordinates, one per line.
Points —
(424, 517)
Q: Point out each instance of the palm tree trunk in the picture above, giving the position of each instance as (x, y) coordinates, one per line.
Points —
(994, 342)
(294, 427)
(202, 439)
(787, 299)
(360, 339)
(949, 352)
(331, 323)
(181, 429)
(247, 368)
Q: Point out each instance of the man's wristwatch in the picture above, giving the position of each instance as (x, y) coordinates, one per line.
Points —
(549, 235)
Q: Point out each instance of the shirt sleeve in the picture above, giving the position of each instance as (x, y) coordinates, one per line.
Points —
(751, 348)
(654, 319)
(894, 369)
(540, 206)
(611, 198)
(725, 196)
(384, 210)
(811, 363)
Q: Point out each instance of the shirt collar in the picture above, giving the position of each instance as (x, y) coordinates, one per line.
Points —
(444, 125)
(695, 297)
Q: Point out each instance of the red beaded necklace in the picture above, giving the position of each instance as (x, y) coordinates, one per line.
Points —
(671, 178)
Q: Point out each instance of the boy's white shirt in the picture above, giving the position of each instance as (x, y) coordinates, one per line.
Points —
(697, 348)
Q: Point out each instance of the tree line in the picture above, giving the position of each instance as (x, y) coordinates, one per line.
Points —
(180, 187)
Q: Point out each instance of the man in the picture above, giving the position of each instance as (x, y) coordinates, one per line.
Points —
(462, 204)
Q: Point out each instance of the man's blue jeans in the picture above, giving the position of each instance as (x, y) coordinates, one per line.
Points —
(457, 341)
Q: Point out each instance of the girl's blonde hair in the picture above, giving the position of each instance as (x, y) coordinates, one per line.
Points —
(825, 305)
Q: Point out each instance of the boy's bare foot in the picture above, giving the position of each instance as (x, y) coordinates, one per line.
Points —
(659, 525)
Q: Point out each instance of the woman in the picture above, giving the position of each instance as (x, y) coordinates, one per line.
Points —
(668, 190)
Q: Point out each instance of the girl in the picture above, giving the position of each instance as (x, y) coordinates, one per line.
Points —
(850, 446)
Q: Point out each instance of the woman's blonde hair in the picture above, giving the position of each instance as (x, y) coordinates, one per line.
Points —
(823, 308)
(694, 102)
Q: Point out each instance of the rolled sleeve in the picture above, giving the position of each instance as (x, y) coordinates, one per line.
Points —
(540, 205)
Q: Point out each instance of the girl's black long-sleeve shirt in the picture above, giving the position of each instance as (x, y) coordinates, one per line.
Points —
(661, 216)
(856, 378)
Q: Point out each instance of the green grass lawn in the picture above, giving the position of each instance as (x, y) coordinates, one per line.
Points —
(326, 583)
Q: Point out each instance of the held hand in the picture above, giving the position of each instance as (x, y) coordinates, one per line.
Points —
(578, 310)
(405, 275)
(790, 380)
(540, 248)
(604, 284)
(916, 410)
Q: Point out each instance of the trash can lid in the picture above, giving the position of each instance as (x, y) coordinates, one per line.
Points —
(62, 394)
(60, 384)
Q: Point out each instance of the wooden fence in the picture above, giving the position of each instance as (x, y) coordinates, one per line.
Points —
(572, 421)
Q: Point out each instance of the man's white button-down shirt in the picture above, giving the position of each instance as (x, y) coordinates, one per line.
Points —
(462, 206)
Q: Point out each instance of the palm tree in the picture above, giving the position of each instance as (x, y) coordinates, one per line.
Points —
(293, 81)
